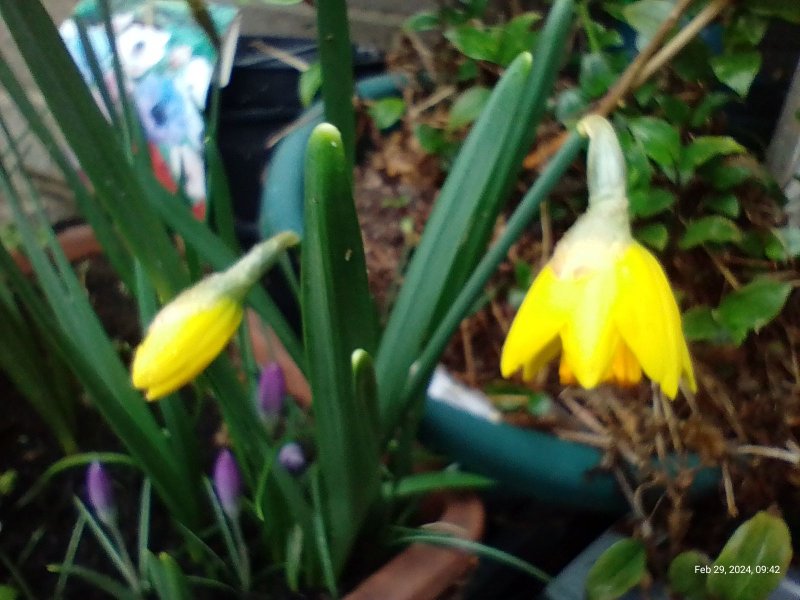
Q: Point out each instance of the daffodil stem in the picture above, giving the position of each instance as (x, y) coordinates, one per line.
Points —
(522, 216)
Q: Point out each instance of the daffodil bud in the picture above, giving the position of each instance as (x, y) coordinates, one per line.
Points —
(190, 331)
(101, 498)
(227, 483)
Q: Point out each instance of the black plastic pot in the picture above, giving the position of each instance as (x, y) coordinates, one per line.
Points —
(260, 100)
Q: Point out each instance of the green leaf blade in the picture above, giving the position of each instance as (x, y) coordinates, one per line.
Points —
(338, 317)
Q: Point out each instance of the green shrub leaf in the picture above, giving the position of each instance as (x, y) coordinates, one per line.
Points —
(660, 140)
(737, 69)
(422, 21)
(310, 84)
(596, 75)
(700, 325)
(617, 570)
(704, 148)
(710, 229)
(646, 202)
(468, 106)
(753, 306)
(570, 105)
(727, 205)
(646, 16)
(387, 111)
(654, 235)
(686, 576)
(474, 43)
(754, 560)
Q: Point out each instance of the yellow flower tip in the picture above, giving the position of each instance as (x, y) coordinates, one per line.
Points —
(183, 339)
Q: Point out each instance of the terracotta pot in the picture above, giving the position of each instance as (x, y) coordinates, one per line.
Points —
(424, 572)
(421, 571)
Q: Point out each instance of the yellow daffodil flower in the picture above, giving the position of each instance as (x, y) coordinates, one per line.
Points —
(603, 301)
(190, 331)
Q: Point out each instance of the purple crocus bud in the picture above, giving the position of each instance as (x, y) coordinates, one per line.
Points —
(271, 390)
(101, 498)
(227, 482)
(292, 458)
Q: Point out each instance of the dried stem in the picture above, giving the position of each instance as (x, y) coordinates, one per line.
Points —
(425, 55)
(584, 415)
(432, 100)
(672, 425)
(631, 78)
(683, 37)
(790, 456)
(547, 232)
(628, 81)
(727, 483)
(583, 437)
(283, 56)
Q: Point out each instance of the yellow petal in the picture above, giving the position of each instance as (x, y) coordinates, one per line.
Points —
(648, 318)
(625, 369)
(181, 342)
(530, 342)
(590, 337)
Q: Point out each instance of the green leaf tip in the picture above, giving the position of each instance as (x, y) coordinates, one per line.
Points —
(326, 132)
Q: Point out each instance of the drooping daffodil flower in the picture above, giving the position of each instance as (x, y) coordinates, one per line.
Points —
(602, 302)
(192, 329)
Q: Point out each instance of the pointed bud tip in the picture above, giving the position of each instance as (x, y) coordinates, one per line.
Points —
(227, 482)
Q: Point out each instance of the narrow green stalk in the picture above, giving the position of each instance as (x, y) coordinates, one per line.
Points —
(336, 61)
(588, 26)
(69, 556)
(474, 286)
(119, 541)
(243, 557)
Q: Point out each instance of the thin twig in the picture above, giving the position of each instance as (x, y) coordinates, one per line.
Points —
(727, 483)
(547, 232)
(283, 56)
(627, 82)
(431, 101)
(724, 271)
(584, 415)
(584, 437)
(672, 425)
(769, 452)
(425, 55)
(683, 37)
(630, 79)
(661, 448)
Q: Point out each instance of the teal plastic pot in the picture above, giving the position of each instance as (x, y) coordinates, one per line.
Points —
(282, 198)
(533, 463)
(522, 461)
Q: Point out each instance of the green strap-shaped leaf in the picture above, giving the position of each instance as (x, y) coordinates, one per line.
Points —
(338, 318)
(462, 220)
